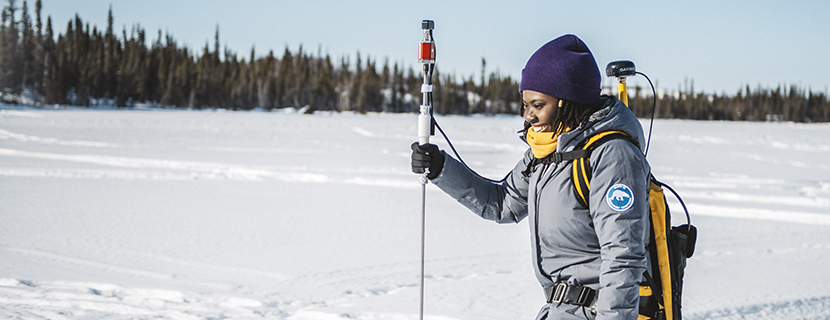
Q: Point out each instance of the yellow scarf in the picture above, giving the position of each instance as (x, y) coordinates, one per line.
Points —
(543, 143)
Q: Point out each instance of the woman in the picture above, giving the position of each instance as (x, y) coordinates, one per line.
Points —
(589, 262)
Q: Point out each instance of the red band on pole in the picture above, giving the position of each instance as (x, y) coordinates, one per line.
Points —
(426, 52)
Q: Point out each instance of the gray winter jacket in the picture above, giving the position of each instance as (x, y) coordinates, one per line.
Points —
(602, 248)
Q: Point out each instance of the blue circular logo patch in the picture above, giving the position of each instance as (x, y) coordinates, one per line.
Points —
(619, 197)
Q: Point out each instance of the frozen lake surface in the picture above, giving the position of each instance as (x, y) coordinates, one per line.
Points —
(137, 214)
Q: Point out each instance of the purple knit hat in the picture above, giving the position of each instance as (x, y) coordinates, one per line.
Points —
(563, 68)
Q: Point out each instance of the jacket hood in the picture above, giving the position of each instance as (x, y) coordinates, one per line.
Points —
(614, 115)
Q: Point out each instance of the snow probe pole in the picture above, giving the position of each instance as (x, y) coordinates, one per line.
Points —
(426, 56)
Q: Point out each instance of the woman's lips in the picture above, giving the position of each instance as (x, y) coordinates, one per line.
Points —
(541, 128)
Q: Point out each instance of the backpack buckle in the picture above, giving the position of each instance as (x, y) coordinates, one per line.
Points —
(559, 293)
(585, 296)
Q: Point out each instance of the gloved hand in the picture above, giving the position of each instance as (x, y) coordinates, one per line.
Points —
(427, 156)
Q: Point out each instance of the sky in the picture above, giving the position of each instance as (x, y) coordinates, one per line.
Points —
(711, 46)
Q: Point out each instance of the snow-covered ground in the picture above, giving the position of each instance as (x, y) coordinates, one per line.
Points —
(137, 214)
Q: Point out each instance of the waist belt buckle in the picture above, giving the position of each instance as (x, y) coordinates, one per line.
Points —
(584, 296)
(559, 292)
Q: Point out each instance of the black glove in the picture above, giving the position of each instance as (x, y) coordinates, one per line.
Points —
(427, 156)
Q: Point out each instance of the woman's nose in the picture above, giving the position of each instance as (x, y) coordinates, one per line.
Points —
(529, 115)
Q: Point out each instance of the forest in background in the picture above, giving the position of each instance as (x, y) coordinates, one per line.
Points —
(85, 66)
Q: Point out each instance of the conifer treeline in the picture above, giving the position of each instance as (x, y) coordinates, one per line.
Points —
(760, 104)
(85, 67)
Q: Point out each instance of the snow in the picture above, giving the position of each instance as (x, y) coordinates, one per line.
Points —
(137, 214)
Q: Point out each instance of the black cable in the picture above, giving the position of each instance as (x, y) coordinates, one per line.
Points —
(461, 160)
(653, 111)
(455, 152)
(430, 68)
(683, 204)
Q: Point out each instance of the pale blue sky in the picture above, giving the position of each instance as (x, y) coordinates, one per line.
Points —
(719, 45)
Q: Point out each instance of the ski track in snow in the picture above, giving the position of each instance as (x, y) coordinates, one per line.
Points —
(332, 290)
(194, 170)
(72, 300)
(174, 170)
(709, 140)
(6, 135)
(17, 113)
(180, 170)
(190, 170)
(802, 309)
(488, 286)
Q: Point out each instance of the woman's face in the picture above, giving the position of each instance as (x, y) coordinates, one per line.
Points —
(540, 110)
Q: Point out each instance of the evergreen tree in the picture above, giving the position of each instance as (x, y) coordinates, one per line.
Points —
(10, 65)
(369, 98)
(355, 80)
(27, 53)
(51, 85)
(38, 63)
(343, 86)
(283, 81)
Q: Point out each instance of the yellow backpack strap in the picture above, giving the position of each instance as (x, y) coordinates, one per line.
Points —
(582, 166)
(660, 228)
